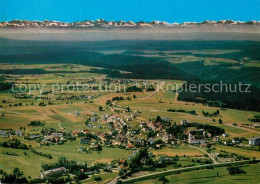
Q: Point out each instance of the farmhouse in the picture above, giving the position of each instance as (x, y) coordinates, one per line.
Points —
(196, 137)
(54, 172)
(254, 141)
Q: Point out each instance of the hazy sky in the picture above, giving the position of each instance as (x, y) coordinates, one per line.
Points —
(135, 10)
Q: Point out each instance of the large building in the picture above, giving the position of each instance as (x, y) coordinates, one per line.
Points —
(54, 172)
(57, 135)
(197, 137)
(254, 141)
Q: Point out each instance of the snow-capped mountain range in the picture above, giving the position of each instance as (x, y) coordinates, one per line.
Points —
(101, 23)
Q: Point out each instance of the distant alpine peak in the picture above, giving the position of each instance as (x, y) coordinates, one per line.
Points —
(101, 23)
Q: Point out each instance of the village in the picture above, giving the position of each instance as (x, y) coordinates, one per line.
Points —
(153, 134)
(116, 134)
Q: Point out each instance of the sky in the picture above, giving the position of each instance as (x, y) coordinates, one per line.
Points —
(135, 10)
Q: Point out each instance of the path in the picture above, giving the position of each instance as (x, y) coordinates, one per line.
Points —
(113, 181)
(156, 91)
(210, 155)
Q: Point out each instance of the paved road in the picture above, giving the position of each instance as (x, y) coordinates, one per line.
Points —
(180, 169)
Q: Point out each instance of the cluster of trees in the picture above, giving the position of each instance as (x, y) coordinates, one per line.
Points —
(177, 131)
(207, 114)
(13, 154)
(255, 119)
(141, 161)
(36, 123)
(151, 133)
(202, 161)
(108, 102)
(91, 136)
(158, 142)
(15, 177)
(97, 178)
(150, 88)
(133, 89)
(208, 128)
(235, 170)
(117, 98)
(42, 104)
(193, 112)
(46, 131)
(5, 85)
(14, 143)
(47, 155)
(164, 161)
(22, 96)
(71, 165)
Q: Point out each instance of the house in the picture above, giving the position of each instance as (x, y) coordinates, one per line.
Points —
(255, 125)
(216, 139)
(80, 150)
(208, 134)
(254, 141)
(196, 137)
(33, 136)
(53, 172)
(5, 135)
(93, 119)
(129, 119)
(85, 141)
(122, 138)
(18, 132)
(85, 131)
(228, 142)
(90, 126)
(236, 140)
(204, 145)
(225, 135)
(130, 146)
(143, 125)
(167, 137)
(134, 115)
(166, 119)
(2, 132)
